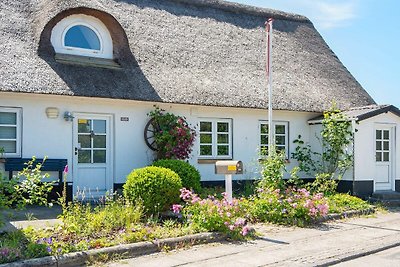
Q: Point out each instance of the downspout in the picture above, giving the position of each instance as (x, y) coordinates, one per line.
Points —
(353, 130)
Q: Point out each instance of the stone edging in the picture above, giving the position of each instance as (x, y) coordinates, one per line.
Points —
(122, 251)
(346, 214)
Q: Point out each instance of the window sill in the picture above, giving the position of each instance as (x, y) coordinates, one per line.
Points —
(210, 161)
(87, 61)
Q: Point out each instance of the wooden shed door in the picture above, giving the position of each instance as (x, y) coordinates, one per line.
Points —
(384, 144)
(92, 156)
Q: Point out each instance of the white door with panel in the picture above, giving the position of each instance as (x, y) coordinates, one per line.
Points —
(92, 170)
(384, 157)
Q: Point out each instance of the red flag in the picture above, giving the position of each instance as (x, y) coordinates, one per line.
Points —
(268, 29)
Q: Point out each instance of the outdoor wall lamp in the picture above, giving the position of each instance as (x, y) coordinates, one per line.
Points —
(52, 113)
(68, 116)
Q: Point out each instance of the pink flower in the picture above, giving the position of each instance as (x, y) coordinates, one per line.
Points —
(240, 221)
(309, 204)
(323, 209)
(318, 196)
(245, 230)
(195, 199)
(176, 208)
(185, 194)
(66, 169)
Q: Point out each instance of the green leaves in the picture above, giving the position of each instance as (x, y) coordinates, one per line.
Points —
(331, 163)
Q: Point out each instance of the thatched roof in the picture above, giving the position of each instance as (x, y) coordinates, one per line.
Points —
(202, 52)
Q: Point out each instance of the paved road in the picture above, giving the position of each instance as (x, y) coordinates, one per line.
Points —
(326, 244)
(386, 258)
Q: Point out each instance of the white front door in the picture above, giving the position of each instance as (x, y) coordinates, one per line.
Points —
(384, 144)
(92, 170)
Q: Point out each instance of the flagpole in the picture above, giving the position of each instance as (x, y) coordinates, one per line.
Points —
(268, 25)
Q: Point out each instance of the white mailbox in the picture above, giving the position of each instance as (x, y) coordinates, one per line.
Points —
(228, 167)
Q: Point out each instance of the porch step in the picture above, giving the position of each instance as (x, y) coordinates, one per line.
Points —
(386, 198)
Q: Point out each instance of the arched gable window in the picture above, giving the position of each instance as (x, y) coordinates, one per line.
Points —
(82, 35)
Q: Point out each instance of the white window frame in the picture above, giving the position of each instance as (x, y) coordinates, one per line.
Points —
(61, 28)
(274, 123)
(214, 134)
(18, 139)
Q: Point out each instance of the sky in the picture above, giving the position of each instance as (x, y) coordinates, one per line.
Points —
(364, 34)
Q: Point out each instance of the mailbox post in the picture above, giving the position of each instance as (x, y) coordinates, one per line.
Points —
(228, 167)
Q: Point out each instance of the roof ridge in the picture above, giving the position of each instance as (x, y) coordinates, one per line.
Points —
(243, 8)
(369, 107)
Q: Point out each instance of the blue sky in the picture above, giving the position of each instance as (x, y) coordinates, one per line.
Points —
(364, 34)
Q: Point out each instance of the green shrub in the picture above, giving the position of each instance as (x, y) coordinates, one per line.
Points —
(189, 175)
(156, 187)
(291, 206)
(344, 202)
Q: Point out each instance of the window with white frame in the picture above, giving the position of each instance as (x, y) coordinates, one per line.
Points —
(280, 135)
(82, 35)
(10, 131)
(215, 137)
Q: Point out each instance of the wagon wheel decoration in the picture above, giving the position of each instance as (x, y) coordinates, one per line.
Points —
(150, 130)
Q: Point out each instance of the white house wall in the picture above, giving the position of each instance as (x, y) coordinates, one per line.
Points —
(42, 136)
(365, 148)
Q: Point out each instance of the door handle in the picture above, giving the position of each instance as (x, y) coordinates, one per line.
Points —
(76, 150)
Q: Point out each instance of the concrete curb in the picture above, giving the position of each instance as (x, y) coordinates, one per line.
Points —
(122, 251)
(346, 214)
(352, 256)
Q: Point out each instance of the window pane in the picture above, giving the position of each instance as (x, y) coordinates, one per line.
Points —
(205, 150)
(385, 145)
(82, 37)
(264, 139)
(386, 135)
(205, 126)
(205, 138)
(378, 145)
(8, 132)
(9, 146)
(85, 141)
(99, 156)
(280, 148)
(84, 126)
(84, 156)
(264, 150)
(99, 141)
(223, 139)
(8, 118)
(385, 156)
(222, 127)
(280, 129)
(378, 156)
(223, 151)
(264, 128)
(280, 140)
(99, 126)
(378, 134)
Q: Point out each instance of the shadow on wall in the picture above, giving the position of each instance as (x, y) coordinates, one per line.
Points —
(129, 82)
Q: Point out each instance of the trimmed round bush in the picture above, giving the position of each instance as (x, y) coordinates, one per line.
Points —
(189, 175)
(156, 187)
